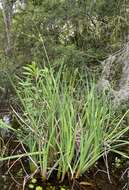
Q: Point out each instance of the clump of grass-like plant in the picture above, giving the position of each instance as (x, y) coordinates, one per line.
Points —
(66, 125)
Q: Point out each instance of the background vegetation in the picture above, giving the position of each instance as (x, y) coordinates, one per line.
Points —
(81, 33)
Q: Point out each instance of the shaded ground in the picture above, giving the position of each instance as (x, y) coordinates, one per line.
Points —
(14, 175)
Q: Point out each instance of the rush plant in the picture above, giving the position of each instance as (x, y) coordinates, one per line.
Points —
(66, 124)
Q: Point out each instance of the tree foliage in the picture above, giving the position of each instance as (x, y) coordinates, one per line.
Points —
(79, 32)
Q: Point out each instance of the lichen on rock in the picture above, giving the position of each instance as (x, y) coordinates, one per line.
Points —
(115, 76)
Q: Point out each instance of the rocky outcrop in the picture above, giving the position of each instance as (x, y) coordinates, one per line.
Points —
(115, 76)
